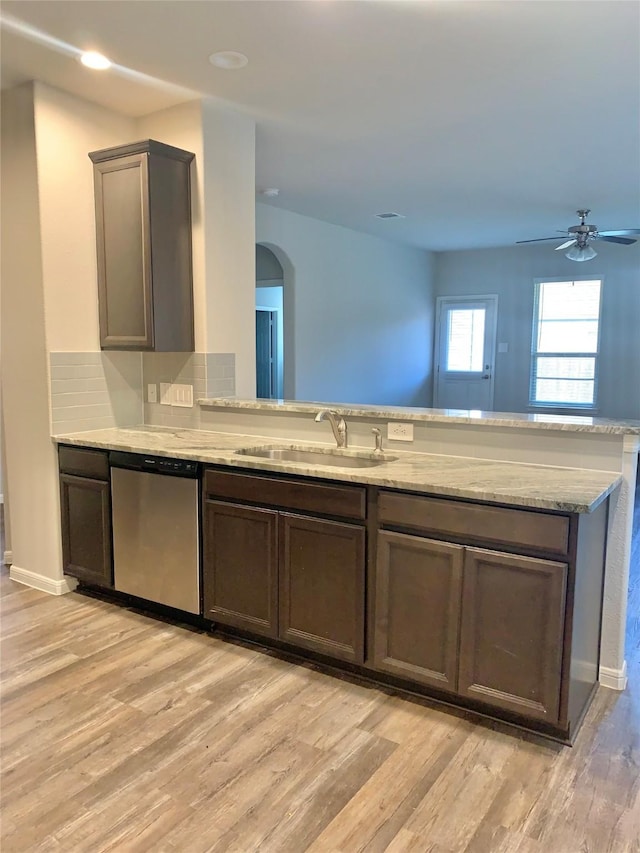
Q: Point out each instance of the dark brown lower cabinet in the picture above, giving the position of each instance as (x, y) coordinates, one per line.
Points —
(85, 506)
(512, 634)
(417, 621)
(322, 586)
(498, 610)
(280, 571)
(483, 624)
(240, 566)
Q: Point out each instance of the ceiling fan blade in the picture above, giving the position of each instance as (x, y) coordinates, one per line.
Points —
(565, 245)
(619, 233)
(539, 240)
(627, 241)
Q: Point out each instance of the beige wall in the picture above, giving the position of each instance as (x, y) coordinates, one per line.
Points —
(229, 209)
(67, 128)
(223, 210)
(31, 458)
(49, 296)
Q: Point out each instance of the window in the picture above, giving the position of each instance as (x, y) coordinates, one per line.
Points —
(465, 339)
(564, 359)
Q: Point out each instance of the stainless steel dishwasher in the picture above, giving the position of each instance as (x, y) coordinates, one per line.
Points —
(154, 504)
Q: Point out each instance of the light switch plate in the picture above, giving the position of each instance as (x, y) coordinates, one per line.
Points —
(183, 396)
(503, 347)
(398, 431)
(165, 393)
(152, 393)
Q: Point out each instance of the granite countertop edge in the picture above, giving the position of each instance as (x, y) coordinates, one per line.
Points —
(516, 420)
(512, 483)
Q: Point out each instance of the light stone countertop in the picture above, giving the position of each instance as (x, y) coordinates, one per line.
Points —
(517, 484)
(517, 420)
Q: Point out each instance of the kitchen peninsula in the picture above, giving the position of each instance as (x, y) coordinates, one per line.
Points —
(411, 571)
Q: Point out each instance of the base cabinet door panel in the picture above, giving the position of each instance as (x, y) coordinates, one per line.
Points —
(512, 632)
(322, 586)
(85, 506)
(417, 608)
(240, 566)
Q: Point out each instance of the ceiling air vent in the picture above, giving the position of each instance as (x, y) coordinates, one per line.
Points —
(389, 216)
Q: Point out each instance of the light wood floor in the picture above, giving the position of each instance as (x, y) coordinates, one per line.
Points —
(123, 733)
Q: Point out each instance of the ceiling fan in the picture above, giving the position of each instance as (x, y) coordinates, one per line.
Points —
(580, 237)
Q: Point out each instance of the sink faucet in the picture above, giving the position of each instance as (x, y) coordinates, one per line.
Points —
(338, 425)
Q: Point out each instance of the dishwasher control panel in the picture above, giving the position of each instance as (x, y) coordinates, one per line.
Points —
(154, 464)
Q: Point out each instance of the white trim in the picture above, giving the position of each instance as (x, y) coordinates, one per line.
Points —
(614, 679)
(1, 499)
(8, 558)
(41, 582)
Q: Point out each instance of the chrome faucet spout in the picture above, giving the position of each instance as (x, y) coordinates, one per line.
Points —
(338, 425)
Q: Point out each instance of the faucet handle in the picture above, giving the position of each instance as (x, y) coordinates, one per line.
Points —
(378, 439)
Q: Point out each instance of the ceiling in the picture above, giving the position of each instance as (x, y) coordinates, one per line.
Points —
(481, 122)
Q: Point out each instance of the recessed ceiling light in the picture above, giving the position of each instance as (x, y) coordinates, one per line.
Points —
(270, 192)
(95, 60)
(390, 215)
(228, 59)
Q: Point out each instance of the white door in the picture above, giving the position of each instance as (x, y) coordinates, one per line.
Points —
(465, 352)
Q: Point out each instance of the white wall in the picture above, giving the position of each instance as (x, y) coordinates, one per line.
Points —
(510, 272)
(362, 309)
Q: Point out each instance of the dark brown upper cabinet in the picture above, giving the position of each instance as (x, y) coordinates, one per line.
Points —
(143, 235)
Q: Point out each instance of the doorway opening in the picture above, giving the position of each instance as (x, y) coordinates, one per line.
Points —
(269, 325)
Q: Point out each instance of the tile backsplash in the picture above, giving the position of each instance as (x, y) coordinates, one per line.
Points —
(98, 390)
(95, 390)
(210, 374)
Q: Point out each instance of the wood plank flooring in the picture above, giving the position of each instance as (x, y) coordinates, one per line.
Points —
(124, 733)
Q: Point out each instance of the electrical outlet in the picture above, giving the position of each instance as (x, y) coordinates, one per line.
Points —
(183, 396)
(152, 393)
(398, 431)
(165, 393)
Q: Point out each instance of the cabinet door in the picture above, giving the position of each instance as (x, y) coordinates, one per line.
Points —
(124, 253)
(512, 632)
(240, 567)
(417, 608)
(322, 586)
(85, 506)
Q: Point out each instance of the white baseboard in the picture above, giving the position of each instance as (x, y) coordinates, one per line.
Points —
(41, 582)
(8, 558)
(614, 679)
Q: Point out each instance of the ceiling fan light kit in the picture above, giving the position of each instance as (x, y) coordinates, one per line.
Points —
(580, 253)
(581, 235)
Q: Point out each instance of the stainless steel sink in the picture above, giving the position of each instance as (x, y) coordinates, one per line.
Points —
(311, 456)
